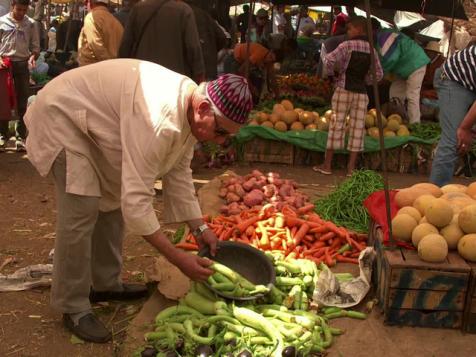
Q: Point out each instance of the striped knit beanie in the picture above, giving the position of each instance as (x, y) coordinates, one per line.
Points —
(232, 97)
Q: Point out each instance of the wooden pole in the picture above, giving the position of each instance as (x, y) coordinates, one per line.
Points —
(383, 155)
(248, 41)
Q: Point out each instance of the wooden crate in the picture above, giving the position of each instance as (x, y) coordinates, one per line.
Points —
(470, 309)
(412, 292)
(270, 151)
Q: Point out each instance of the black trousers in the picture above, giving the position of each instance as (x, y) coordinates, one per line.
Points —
(21, 79)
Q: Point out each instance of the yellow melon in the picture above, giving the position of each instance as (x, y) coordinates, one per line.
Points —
(306, 118)
(471, 190)
(287, 104)
(328, 114)
(393, 125)
(412, 211)
(369, 121)
(396, 117)
(323, 124)
(389, 133)
(315, 117)
(274, 118)
(278, 109)
(312, 127)
(454, 187)
(298, 110)
(406, 196)
(261, 117)
(422, 203)
(373, 132)
(432, 188)
(403, 226)
(439, 213)
(421, 231)
(373, 112)
(403, 131)
(452, 234)
(289, 116)
(297, 126)
(267, 124)
(467, 219)
(253, 122)
(281, 126)
(433, 248)
(467, 247)
(423, 220)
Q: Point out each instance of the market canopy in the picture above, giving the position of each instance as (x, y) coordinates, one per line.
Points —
(431, 7)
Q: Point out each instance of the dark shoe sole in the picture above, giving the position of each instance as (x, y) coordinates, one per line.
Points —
(131, 292)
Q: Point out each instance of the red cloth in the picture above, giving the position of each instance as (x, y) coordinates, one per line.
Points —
(7, 91)
(375, 205)
(339, 24)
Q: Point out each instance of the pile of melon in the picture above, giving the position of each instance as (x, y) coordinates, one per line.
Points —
(436, 220)
(285, 117)
(393, 125)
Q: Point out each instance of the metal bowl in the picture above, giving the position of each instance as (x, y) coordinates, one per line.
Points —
(246, 260)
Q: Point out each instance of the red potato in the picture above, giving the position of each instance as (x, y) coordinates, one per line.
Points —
(255, 197)
(239, 190)
(231, 188)
(232, 197)
(224, 210)
(256, 173)
(286, 190)
(232, 181)
(260, 183)
(223, 192)
(249, 184)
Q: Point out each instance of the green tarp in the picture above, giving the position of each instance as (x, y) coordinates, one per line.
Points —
(316, 140)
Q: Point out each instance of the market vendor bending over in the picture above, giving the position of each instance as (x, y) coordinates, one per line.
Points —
(105, 132)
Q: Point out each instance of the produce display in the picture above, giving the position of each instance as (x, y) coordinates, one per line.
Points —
(285, 116)
(304, 86)
(280, 324)
(393, 125)
(297, 233)
(436, 220)
(257, 189)
(344, 206)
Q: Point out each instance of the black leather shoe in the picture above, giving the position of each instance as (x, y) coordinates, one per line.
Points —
(130, 292)
(89, 328)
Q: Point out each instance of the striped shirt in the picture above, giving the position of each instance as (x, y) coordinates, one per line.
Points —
(461, 68)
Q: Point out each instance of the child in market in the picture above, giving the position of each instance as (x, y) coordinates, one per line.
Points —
(350, 63)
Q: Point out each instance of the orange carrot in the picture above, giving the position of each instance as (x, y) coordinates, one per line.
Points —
(306, 208)
(246, 223)
(321, 229)
(292, 221)
(186, 246)
(328, 258)
(300, 233)
(308, 238)
(249, 231)
(327, 236)
(342, 259)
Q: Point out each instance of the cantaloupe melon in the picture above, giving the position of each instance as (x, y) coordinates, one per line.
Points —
(315, 116)
(433, 248)
(406, 196)
(403, 131)
(396, 117)
(467, 247)
(423, 220)
(471, 190)
(328, 114)
(267, 124)
(454, 187)
(278, 109)
(458, 200)
(403, 226)
(287, 104)
(412, 211)
(274, 118)
(421, 231)
(253, 122)
(305, 118)
(389, 133)
(439, 213)
(423, 202)
(393, 124)
(467, 219)
(296, 126)
(289, 116)
(452, 234)
(312, 127)
(430, 187)
(281, 126)
(373, 132)
(298, 110)
(369, 121)
(261, 117)
(323, 124)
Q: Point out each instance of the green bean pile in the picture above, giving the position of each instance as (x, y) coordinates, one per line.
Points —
(344, 206)
(425, 131)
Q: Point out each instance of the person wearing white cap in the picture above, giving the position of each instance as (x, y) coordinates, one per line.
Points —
(105, 132)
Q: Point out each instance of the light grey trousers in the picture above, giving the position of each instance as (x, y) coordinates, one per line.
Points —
(88, 247)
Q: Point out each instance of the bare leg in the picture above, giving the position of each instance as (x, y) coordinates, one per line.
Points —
(352, 160)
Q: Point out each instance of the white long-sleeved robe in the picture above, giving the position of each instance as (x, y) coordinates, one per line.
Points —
(123, 123)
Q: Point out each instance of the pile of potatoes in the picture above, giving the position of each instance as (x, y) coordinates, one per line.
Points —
(436, 220)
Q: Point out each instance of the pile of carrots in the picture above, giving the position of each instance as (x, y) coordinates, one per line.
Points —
(298, 233)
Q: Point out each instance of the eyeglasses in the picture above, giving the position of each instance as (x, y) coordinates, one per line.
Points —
(220, 131)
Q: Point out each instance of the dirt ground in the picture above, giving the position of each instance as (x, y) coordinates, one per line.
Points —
(28, 327)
